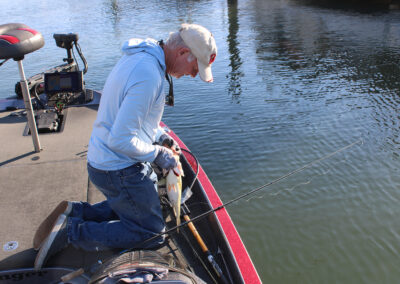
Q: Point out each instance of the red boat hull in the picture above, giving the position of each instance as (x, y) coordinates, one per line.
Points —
(243, 260)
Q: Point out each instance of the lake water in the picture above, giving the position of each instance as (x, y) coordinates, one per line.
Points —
(292, 82)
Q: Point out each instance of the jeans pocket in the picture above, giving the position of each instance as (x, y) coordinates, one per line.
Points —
(141, 193)
(130, 172)
(103, 181)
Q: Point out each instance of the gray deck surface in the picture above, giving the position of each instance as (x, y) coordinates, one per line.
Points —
(32, 184)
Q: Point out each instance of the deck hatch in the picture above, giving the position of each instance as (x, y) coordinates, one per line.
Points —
(48, 122)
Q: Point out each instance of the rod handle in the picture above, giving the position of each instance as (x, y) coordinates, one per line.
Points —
(196, 234)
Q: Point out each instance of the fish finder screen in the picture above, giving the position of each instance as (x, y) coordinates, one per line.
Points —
(63, 82)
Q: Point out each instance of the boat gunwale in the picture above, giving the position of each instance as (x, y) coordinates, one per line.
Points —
(240, 255)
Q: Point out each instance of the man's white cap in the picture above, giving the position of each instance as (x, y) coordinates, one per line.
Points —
(202, 45)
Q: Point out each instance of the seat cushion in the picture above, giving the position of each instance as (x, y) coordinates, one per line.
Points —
(16, 40)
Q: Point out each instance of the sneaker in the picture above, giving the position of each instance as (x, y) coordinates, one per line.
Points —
(55, 242)
(44, 230)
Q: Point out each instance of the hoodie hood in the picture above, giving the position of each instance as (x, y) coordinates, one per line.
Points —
(149, 45)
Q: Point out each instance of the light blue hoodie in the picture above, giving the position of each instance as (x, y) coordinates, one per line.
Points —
(130, 110)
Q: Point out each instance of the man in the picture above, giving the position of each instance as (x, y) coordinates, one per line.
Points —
(124, 143)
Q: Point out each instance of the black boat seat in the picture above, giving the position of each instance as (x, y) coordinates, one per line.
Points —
(16, 40)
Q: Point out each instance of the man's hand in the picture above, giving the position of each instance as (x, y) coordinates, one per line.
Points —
(167, 141)
(165, 159)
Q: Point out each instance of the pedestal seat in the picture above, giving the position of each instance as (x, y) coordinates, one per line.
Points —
(16, 40)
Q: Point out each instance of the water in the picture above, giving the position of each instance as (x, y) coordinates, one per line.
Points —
(293, 82)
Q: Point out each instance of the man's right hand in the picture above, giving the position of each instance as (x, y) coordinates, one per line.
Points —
(165, 159)
(167, 141)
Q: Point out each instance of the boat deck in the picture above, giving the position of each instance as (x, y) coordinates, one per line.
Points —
(32, 184)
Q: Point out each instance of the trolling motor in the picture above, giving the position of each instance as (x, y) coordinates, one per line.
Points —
(62, 85)
(58, 87)
(65, 80)
(66, 41)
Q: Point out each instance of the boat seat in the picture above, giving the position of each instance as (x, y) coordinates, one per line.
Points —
(16, 40)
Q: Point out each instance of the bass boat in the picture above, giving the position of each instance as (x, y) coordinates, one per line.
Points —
(56, 112)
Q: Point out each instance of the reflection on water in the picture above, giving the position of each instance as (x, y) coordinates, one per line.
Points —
(114, 12)
(365, 6)
(319, 57)
(293, 81)
(234, 52)
(331, 77)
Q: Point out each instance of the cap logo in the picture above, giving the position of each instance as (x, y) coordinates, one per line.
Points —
(212, 58)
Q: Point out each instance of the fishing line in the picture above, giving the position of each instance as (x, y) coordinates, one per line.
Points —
(197, 167)
(325, 172)
(202, 215)
(199, 258)
(292, 188)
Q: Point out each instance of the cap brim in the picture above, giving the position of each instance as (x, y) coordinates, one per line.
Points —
(205, 72)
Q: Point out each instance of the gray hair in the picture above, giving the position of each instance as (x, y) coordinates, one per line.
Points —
(175, 41)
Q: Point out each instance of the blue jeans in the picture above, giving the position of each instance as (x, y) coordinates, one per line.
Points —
(130, 215)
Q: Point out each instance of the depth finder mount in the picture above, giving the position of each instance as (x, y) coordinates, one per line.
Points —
(62, 86)
(67, 41)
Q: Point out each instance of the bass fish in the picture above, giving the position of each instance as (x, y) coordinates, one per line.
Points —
(174, 189)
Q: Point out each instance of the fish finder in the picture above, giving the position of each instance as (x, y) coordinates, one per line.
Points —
(65, 78)
(63, 82)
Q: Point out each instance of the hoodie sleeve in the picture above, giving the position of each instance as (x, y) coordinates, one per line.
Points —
(159, 133)
(124, 135)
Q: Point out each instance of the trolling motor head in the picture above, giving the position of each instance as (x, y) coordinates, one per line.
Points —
(65, 40)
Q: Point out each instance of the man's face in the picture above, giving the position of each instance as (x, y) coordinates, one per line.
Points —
(183, 66)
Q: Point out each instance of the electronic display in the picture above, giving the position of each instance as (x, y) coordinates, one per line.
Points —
(63, 82)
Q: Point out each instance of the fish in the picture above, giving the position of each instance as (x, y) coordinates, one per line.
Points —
(174, 189)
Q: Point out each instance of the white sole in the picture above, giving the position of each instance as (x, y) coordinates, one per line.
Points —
(38, 239)
(41, 256)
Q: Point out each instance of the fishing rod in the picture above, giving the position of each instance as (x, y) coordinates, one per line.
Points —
(204, 248)
(208, 212)
(201, 216)
(196, 234)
